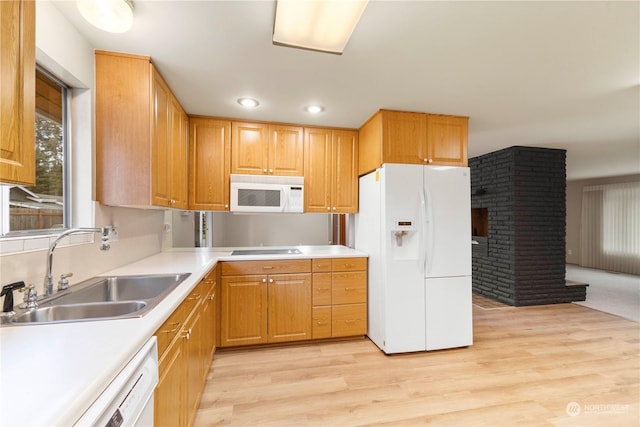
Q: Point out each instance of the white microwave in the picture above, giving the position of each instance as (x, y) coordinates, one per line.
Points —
(267, 194)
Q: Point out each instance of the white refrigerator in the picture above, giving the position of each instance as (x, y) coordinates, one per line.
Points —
(415, 223)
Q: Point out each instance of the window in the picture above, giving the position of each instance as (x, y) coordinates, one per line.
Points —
(44, 205)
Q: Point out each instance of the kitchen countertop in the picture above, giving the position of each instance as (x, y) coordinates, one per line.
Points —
(50, 374)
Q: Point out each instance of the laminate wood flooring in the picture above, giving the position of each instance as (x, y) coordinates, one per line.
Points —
(557, 365)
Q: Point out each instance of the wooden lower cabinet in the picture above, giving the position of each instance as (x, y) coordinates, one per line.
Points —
(307, 299)
(339, 297)
(186, 343)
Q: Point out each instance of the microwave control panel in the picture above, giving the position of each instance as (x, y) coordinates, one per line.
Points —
(296, 199)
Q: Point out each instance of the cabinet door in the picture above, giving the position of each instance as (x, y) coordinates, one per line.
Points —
(286, 150)
(160, 143)
(404, 137)
(17, 92)
(179, 157)
(249, 148)
(210, 163)
(194, 360)
(317, 168)
(243, 310)
(447, 140)
(344, 190)
(209, 320)
(289, 307)
(170, 394)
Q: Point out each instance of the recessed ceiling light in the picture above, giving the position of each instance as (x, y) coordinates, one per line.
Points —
(314, 109)
(248, 102)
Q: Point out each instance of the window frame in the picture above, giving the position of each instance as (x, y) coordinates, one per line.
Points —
(5, 217)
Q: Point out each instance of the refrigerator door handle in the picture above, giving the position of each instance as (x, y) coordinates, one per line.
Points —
(429, 230)
(422, 260)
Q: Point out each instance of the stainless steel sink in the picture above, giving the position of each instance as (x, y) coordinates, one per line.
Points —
(103, 298)
(80, 312)
(122, 288)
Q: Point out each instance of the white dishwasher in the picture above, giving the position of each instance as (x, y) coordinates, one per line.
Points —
(128, 400)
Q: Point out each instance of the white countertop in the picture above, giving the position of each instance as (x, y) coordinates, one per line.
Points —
(50, 374)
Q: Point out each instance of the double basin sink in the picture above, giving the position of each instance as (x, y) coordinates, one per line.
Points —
(103, 298)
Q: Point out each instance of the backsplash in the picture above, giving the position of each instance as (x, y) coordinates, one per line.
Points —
(139, 236)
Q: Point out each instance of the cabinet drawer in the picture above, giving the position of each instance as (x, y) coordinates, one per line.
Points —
(348, 264)
(348, 320)
(234, 268)
(170, 328)
(349, 288)
(321, 327)
(321, 289)
(321, 265)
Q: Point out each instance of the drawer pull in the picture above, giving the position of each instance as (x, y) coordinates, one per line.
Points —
(175, 325)
(351, 321)
(322, 289)
(322, 323)
(267, 267)
(196, 296)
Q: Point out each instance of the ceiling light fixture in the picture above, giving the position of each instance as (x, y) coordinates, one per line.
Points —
(248, 102)
(114, 16)
(324, 25)
(314, 109)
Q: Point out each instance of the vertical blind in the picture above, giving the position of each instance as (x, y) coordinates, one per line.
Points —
(610, 232)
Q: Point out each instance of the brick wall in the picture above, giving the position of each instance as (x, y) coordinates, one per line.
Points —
(523, 189)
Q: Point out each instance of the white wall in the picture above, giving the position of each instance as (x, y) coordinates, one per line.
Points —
(67, 54)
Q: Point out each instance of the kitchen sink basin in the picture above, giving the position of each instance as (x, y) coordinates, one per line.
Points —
(80, 312)
(122, 288)
(102, 298)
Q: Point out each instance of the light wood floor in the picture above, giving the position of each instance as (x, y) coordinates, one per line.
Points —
(559, 365)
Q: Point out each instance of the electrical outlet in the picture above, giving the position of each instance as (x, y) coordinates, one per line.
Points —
(113, 235)
(569, 252)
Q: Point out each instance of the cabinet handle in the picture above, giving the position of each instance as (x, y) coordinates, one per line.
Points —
(350, 289)
(430, 161)
(212, 296)
(226, 206)
(322, 323)
(264, 171)
(270, 170)
(264, 280)
(328, 208)
(334, 208)
(322, 289)
(196, 297)
(425, 160)
(176, 326)
(350, 321)
(270, 280)
(267, 267)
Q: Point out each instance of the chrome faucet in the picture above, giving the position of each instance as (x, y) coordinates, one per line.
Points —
(105, 232)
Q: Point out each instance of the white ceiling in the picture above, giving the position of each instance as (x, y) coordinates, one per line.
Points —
(546, 74)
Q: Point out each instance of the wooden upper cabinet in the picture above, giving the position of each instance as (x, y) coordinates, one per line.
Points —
(249, 148)
(286, 150)
(266, 149)
(209, 164)
(318, 152)
(344, 190)
(447, 136)
(412, 138)
(141, 135)
(17, 92)
(404, 137)
(331, 170)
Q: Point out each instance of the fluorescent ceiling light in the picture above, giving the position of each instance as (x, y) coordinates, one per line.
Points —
(248, 102)
(114, 16)
(324, 25)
